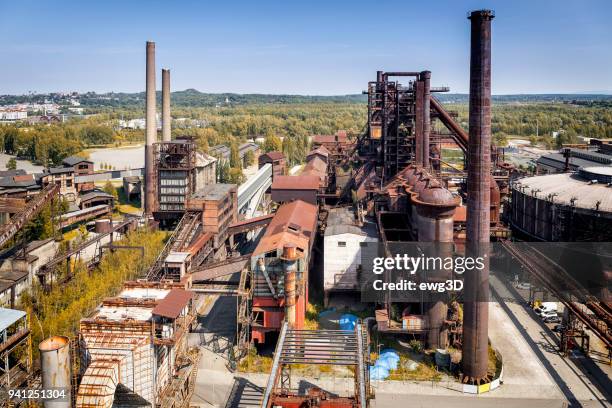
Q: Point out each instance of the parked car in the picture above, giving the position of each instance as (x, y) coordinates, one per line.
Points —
(548, 314)
(523, 285)
(546, 307)
(559, 328)
(552, 319)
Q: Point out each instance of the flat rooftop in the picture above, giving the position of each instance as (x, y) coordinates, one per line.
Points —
(568, 189)
(214, 191)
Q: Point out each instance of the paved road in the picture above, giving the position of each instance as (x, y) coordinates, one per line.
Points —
(580, 389)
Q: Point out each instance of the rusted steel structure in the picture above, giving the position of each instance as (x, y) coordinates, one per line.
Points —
(175, 164)
(318, 347)
(138, 340)
(33, 207)
(591, 311)
(294, 224)
(73, 253)
(150, 203)
(476, 307)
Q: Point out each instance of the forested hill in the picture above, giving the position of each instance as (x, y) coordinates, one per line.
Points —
(195, 98)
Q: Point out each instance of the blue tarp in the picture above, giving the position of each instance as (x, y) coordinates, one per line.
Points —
(387, 360)
(378, 373)
(348, 322)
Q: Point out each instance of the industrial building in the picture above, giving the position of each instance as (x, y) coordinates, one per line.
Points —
(564, 207)
(345, 234)
(138, 339)
(181, 171)
(277, 160)
(289, 188)
(571, 159)
(292, 230)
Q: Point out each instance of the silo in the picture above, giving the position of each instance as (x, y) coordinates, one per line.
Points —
(55, 369)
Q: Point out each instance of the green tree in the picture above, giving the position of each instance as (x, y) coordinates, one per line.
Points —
(110, 189)
(272, 143)
(235, 176)
(10, 140)
(235, 161)
(11, 164)
(249, 158)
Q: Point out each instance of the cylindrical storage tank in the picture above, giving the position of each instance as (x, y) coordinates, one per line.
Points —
(55, 369)
(103, 226)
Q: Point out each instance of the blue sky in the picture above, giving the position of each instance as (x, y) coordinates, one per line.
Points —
(306, 47)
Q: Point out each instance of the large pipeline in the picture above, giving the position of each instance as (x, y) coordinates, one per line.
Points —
(151, 130)
(476, 307)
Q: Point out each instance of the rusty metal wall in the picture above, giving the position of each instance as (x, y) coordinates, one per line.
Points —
(476, 309)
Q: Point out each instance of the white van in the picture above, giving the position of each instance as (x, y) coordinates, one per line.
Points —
(546, 307)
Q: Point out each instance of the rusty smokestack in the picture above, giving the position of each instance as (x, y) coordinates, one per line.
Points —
(476, 308)
(290, 258)
(166, 118)
(151, 131)
(426, 80)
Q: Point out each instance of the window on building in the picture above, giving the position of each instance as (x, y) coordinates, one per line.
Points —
(341, 244)
(68, 183)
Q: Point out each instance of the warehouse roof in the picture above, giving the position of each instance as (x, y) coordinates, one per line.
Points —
(74, 160)
(294, 222)
(568, 189)
(172, 305)
(273, 155)
(295, 183)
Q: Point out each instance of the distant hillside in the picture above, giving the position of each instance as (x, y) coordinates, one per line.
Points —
(195, 98)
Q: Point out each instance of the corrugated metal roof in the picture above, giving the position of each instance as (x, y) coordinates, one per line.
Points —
(9, 316)
(274, 155)
(568, 189)
(557, 161)
(73, 160)
(173, 303)
(294, 222)
(315, 167)
(301, 182)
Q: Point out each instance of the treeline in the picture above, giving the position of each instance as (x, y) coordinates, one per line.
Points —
(539, 121)
(48, 145)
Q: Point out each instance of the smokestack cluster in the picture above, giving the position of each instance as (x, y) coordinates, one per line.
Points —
(476, 307)
(150, 196)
